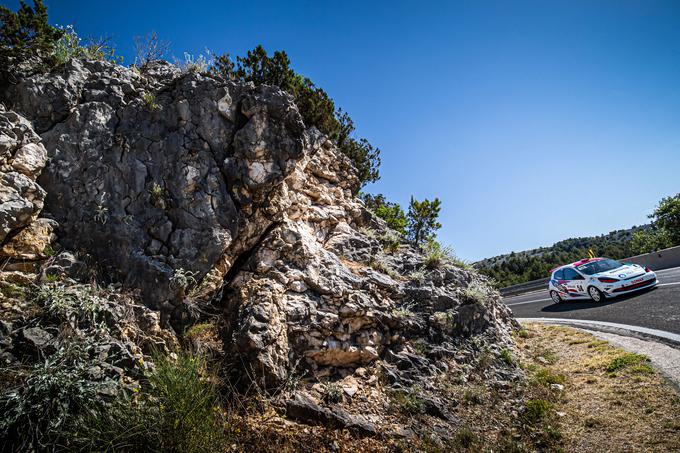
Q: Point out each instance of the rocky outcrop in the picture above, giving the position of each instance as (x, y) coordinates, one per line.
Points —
(22, 158)
(212, 196)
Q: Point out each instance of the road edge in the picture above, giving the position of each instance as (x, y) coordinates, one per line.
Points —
(643, 333)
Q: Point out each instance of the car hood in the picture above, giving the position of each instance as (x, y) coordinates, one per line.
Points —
(623, 272)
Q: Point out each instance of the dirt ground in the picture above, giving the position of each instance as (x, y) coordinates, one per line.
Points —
(612, 401)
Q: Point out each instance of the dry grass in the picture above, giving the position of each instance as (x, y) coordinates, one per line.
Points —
(612, 401)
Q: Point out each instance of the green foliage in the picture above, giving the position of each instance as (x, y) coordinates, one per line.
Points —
(422, 219)
(666, 217)
(49, 397)
(544, 376)
(507, 357)
(626, 360)
(315, 105)
(150, 101)
(436, 254)
(78, 303)
(391, 213)
(175, 411)
(70, 46)
(182, 278)
(521, 267)
(465, 438)
(536, 410)
(476, 293)
(410, 401)
(650, 240)
(26, 33)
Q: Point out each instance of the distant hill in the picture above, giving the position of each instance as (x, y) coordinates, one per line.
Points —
(520, 267)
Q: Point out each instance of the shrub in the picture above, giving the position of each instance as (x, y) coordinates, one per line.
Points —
(536, 410)
(70, 46)
(176, 410)
(76, 303)
(543, 376)
(148, 49)
(150, 101)
(436, 254)
(506, 356)
(200, 64)
(49, 397)
(315, 105)
(182, 278)
(465, 437)
(476, 293)
(409, 401)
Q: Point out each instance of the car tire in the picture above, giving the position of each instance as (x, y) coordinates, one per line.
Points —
(555, 296)
(595, 294)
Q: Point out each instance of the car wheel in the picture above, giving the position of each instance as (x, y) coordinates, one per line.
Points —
(554, 295)
(595, 294)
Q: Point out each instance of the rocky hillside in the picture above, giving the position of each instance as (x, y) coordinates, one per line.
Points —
(140, 205)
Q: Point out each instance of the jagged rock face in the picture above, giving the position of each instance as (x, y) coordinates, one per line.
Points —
(22, 158)
(187, 180)
(163, 171)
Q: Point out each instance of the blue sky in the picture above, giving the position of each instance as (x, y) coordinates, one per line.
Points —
(533, 121)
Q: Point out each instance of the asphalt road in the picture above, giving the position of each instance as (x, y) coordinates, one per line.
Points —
(656, 308)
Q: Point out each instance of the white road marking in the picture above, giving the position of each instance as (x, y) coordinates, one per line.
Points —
(668, 284)
(529, 302)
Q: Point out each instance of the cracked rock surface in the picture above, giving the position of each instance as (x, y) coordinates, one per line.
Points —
(210, 195)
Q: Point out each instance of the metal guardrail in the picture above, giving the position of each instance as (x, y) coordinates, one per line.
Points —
(662, 259)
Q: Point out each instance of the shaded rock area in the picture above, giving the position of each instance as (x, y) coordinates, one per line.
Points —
(191, 198)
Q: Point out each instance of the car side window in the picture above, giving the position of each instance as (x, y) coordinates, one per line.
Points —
(559, 275)
(571, 274)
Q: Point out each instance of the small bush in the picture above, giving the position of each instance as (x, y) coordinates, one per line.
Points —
(626, 360)
(410, 401)
(473, 396)
(437, 255)
(175, 411)
(49, 397)
(475, 293)
(536, 410)
(182, 278)
(70, 46)
(200, 64)
(543, 376)
(148, 49)
(465, 437)
(150, 101)
(523, 333)
(506, 356)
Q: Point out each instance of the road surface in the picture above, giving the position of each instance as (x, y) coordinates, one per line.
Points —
(656, 308)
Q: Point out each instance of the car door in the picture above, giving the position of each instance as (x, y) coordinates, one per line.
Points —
(574, 282)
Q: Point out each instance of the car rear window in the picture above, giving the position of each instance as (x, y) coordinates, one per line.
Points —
(559, 275)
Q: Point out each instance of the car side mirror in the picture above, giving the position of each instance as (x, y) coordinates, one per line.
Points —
(579, 277)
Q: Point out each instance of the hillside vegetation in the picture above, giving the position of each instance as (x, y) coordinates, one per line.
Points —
(520, 267)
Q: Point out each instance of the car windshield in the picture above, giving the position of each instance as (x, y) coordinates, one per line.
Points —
(595, 267)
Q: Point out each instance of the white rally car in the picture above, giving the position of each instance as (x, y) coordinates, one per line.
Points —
(597, 279)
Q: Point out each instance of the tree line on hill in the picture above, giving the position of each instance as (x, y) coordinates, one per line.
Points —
(521, 267)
